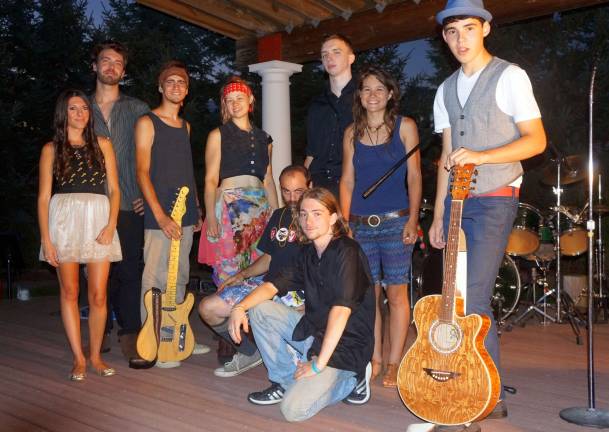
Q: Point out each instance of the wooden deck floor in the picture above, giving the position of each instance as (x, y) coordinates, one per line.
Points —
(543, 363)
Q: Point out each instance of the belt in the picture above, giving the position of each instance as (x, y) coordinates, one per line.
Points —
(505, 191)
(375, 220)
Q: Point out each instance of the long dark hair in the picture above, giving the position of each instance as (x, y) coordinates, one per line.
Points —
(63, 149)
(360, 121)
(329, 201)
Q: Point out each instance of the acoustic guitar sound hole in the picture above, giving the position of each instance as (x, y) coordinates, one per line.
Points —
(445, 337)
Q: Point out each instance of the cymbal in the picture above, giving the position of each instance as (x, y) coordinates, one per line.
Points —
(572, 170)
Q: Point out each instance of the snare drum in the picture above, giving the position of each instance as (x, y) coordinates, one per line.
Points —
(427, 280)
(545, 251)
(524, 238)
(573, 237)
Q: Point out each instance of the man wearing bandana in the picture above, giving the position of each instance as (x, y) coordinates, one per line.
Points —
(279, 245)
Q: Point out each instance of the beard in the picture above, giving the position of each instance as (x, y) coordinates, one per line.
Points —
(108, 79)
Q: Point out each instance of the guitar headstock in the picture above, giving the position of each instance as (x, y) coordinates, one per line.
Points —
(179, 206)
(461, 177)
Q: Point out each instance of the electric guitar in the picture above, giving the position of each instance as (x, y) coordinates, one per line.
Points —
(167, 336)
(447, 377)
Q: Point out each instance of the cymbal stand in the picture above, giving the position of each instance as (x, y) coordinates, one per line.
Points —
(533, 308)
(558, 192)
(600, 261)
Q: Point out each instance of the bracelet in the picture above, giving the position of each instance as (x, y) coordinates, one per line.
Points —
(314, 367)
(237, 306)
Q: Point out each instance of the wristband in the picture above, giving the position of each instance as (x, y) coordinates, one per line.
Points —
(314, 367)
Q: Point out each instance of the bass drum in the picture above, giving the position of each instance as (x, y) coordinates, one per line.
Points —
(427, 280)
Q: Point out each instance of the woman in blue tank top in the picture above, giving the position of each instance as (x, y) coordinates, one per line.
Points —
(385, 224)
(77, 220)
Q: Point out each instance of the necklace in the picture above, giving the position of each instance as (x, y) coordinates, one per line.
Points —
(283, 234)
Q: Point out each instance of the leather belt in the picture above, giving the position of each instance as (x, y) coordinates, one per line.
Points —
(375, 220)
(505, 191)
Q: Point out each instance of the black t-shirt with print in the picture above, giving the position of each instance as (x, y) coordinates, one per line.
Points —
(279, 240)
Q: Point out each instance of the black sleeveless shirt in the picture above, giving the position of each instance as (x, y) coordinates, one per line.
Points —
(80, 177)
(243, 153)
(170, 169)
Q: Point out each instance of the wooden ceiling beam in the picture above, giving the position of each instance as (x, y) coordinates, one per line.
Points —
(312, 9)
(239, 16)
(399, 22)
(196, 17)
(273, 11)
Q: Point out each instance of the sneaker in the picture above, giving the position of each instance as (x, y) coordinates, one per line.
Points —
(473, 427)
(361, 393)
(200, 349)
(239, 364)
(168, 365)
(269, 396)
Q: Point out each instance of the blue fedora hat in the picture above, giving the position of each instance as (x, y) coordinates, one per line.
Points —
(463, 7)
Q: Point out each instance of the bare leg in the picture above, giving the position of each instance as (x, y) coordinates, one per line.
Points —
(377, 357)
(98, 278)
(213, 310)
(70, 315)
(399, 320)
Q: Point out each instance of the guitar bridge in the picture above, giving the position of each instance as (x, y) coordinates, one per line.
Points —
(441, 376)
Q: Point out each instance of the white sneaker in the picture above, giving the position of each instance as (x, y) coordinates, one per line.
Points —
(239, 364)
(167, 365)
(200, 349)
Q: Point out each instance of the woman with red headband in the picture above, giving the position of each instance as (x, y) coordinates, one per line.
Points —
(240, 196)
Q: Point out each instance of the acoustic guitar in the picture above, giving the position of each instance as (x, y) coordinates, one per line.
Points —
(167, 336)
(447, 377)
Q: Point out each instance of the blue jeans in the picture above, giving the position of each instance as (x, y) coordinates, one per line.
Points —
(487, 223)
(273, 324)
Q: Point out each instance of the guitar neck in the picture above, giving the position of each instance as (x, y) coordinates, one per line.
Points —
(172, 274)
(450, 262)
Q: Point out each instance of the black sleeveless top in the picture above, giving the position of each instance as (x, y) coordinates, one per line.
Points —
(80, 177)
(243, 153)
(170, 169)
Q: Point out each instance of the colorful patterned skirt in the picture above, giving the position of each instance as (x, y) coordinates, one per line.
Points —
(243, 214)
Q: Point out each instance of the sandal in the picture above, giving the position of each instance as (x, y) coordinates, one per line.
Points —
(377, 368)
(391, 375)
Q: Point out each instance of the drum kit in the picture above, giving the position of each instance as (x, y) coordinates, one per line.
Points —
(538, 242)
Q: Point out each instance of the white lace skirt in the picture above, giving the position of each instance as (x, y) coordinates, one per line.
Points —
(75, 221)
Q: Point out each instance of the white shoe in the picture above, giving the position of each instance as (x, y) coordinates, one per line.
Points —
(168, 365)
(239, 364)
(200, 349)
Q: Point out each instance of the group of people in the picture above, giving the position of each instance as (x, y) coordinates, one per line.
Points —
(300, 287)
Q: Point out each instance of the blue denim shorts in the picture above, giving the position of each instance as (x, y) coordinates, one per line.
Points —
(386, 252)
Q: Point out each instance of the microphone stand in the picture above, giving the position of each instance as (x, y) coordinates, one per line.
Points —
(589, 416)
(390, 171)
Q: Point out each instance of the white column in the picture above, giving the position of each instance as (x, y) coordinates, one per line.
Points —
(276, 110)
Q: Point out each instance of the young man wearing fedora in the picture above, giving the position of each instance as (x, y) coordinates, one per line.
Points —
(488, 116)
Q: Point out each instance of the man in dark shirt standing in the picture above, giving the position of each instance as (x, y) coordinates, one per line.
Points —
(330, 113)
(164, 165)
(313, 358)
(115, 115)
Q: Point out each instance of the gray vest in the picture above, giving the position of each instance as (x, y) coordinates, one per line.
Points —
(481, 125)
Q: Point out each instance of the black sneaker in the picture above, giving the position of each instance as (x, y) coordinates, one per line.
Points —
(269, 396)
(361, 393)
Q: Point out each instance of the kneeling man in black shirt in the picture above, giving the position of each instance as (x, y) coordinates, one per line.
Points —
(315, 358)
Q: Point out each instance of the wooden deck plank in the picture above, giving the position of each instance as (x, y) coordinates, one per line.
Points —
(543, 363)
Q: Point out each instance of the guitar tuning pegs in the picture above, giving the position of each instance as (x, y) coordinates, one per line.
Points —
(475, 172)
(474, 180)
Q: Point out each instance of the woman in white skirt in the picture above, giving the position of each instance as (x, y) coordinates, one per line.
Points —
(78, 203)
